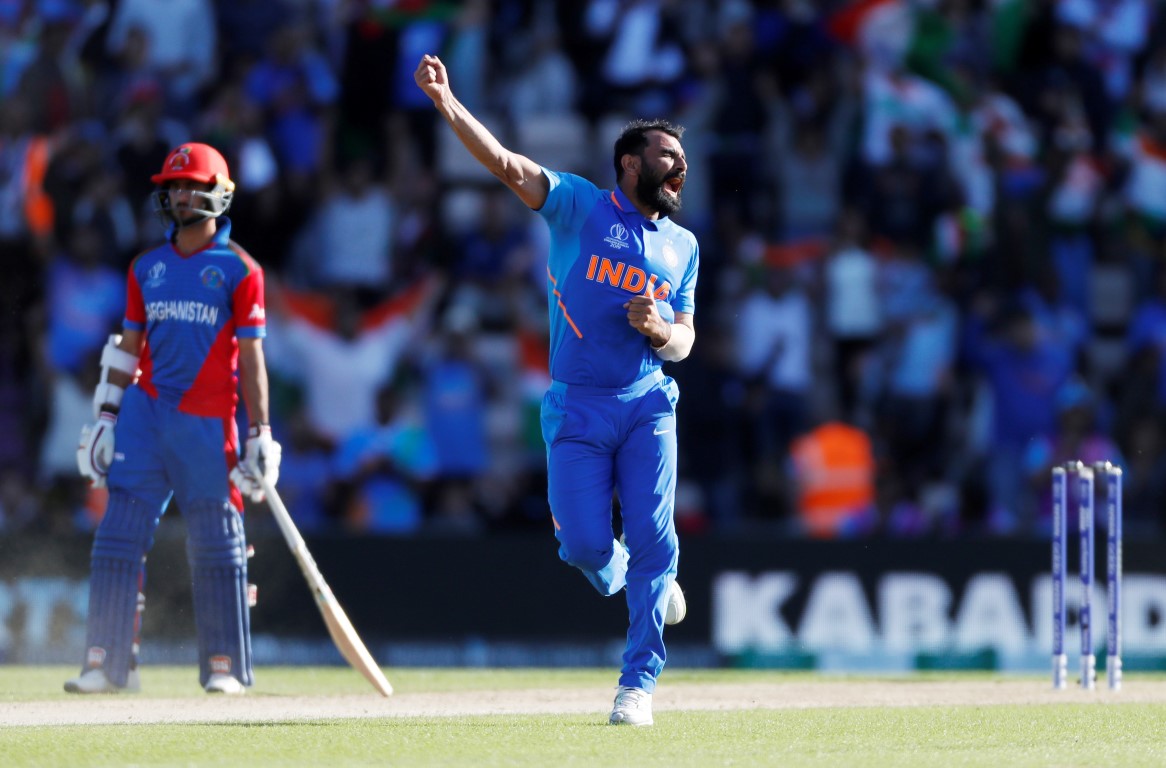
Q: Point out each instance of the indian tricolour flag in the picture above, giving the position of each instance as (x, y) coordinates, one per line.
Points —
(881, 30)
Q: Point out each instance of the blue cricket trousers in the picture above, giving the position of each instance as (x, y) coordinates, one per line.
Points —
(602, 442)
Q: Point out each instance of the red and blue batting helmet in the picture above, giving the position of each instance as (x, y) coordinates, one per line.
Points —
(201, 163)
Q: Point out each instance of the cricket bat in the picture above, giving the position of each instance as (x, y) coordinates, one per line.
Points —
(341, 629)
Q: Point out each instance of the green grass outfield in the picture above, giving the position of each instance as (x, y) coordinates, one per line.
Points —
(331, 717)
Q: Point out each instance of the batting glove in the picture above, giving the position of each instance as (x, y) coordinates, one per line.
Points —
(248, 486)
(95, 449)
(262, 455)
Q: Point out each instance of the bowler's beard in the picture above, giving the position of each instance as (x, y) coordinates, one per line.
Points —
(650, 191)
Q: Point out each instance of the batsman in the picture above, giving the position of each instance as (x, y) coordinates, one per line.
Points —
(165, 431)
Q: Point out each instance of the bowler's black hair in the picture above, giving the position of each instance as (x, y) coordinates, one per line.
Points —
(634, 138)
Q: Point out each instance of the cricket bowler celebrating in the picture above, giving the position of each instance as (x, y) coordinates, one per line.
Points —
(621, 282)
(165, 429)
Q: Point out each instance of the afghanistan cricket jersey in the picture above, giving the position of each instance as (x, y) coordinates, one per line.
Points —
(192, 309)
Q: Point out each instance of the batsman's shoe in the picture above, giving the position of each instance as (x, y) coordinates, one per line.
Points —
(677, 607)
(220, 683)
(95, 681)
(633, 706)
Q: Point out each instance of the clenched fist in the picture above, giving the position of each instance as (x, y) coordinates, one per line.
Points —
(644, 316)
(431, 77)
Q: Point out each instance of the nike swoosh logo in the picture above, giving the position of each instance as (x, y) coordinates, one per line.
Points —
(660, 431)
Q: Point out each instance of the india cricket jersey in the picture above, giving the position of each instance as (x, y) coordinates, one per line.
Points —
(192, 309)
(609, 418)
(603, 252)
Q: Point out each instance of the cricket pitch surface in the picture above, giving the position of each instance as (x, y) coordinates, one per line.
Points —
(257, 706)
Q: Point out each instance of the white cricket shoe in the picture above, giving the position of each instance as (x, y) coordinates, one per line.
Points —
(633, 706)
(220, 683)
(677, 607)
(95, 681)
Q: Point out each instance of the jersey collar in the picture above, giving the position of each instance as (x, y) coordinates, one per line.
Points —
(220, 239)
(625, 205)
(222, 231)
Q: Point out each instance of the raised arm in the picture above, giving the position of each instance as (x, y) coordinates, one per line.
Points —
(521, 174)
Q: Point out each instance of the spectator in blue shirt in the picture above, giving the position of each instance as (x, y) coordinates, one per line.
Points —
(387, 466)
(1023, 370)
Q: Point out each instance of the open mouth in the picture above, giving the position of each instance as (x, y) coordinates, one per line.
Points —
(674, 184)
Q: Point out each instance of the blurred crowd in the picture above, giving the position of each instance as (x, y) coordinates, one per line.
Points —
(933, 245)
